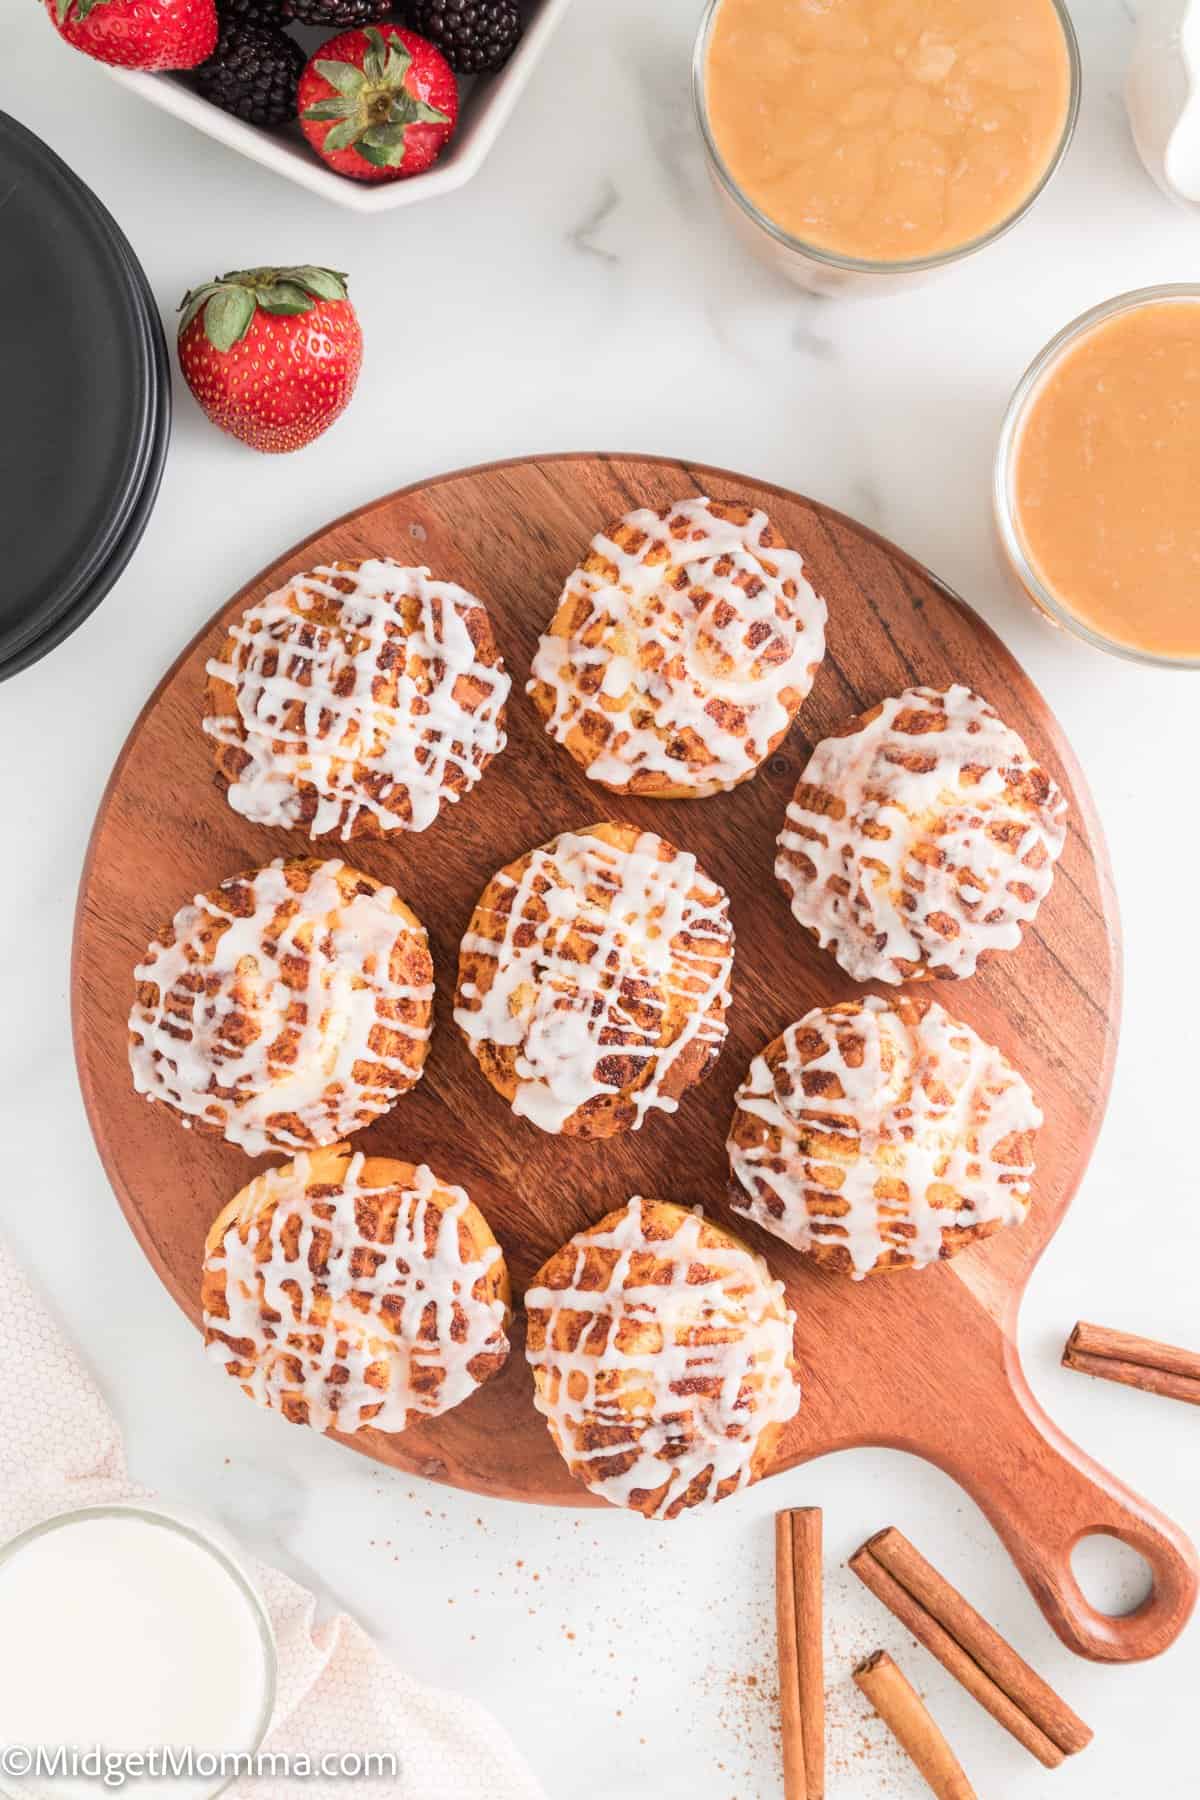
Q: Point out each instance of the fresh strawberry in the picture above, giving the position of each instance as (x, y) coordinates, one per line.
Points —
(378, 104)
(272, 355)
(139, 34)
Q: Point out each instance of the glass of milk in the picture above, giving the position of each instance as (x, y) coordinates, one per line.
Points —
(125, 1632)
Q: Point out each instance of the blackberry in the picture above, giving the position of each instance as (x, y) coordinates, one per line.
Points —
(249, 12)
(253, 73)
(473, 35)
(344, 14)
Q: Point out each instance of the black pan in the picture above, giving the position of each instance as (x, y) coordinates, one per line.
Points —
(84, 372)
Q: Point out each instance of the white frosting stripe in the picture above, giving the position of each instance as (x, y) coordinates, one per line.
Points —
(587, 948)
(342, 1304)
(922, 839)
(882, 1126)
(640, 1401)
(276, 1000)
(695, 646)
(384, 715)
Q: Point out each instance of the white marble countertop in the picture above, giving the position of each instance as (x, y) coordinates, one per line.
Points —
(583, 292)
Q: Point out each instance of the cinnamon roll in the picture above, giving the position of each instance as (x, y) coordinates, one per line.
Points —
(883, 1134)
(344, 1291)
(356, 700)
(681, 650)
(594, 979)
(662, 1358)
(287, 1008)
(921, 837)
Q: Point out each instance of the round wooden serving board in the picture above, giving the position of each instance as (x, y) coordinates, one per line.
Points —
(924, 1362)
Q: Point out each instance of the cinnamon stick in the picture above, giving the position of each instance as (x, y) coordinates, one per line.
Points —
(907, 1717)
(974, 1653)
(798, 1613)
(1134, 1361)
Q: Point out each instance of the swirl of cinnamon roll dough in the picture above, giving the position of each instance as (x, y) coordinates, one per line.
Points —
(285, 1009)
(662, 1357)
(594, 978)
(343, 1291)
(356, 700)
(883, 1134)
(920, 838)
(681, 650)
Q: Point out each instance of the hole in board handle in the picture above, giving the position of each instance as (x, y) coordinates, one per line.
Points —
(1116, 1579)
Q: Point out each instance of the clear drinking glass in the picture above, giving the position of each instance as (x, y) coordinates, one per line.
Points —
(1004, 475)
(203, 1538)
(825, 271)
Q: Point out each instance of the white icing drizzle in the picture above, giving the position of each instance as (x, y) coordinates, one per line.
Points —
(593, 948)
(334, 1299)
(698, 646)
(940, 841)
(276, 1002)
(666, 1407)
(914, 1137)
(375, 716)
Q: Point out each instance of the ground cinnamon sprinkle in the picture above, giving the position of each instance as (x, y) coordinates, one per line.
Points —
(863, 1761)
(745, 1705)
(736, 1696)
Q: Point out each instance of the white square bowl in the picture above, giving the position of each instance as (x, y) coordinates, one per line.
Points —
(486, 102)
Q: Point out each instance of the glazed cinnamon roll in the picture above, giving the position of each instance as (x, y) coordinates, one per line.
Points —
(344, 1291)
(594, 978)
(883, 1134)
(356, 701)
(920, 838)
(681, 650)
(285, 1009)
(662, 1358)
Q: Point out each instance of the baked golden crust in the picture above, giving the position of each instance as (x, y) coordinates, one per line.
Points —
(594, 979)
(285, 1008)
(681, 650)
(356, 700)
(882, 1134)
(920, 837)
(344, 1291)
(662, 1358)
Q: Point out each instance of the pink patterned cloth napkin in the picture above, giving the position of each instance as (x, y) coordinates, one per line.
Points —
(60, 1448)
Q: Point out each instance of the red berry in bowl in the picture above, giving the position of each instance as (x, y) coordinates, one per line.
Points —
(272, 355)
(378, 104)
(139, 34)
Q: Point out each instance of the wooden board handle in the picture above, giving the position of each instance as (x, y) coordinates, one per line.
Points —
(1044, 1494)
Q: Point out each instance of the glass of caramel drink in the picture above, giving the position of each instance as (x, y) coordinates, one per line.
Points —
(860, 144)
(1097, 477)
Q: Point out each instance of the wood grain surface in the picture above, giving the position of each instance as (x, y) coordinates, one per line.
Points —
(925, 1362)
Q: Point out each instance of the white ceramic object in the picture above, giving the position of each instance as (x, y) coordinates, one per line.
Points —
(487, 101)
(1163, 95)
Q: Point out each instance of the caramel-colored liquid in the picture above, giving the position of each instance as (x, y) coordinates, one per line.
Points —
(1106, 482)
(888, 130)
